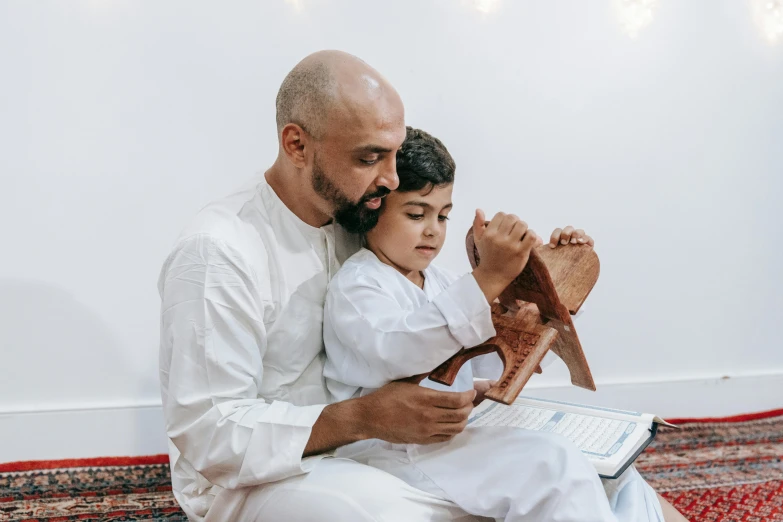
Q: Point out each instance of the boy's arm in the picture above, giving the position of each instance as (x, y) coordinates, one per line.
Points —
(371, 340)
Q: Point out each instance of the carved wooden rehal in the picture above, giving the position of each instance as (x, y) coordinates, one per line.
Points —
(533, 315)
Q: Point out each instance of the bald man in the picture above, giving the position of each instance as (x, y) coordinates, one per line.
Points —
(247, 412)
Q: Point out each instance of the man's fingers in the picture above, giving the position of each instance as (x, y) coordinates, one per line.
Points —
(565, 235)
(578, 236)
(447, 416)
(452, 400)
(479, 224)
(554, 239)
(439, 438)
(453, 428)
(589, 241)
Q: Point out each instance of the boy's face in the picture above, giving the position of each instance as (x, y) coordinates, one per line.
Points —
(411, 228)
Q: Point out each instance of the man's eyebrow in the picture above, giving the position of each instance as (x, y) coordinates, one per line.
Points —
(375, 149)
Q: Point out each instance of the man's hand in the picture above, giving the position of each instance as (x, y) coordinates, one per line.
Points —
(504, 246)
(404, 412)
(401, 412)
(567, 235)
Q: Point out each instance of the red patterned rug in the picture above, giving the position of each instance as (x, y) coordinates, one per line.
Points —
(716, 470)
(720, 470)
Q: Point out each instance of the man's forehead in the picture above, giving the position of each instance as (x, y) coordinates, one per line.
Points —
(369, 139)
(367, 123)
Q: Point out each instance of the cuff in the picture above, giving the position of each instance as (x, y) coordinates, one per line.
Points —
(285, 442)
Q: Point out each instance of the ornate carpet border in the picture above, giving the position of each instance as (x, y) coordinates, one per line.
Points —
(98, 462)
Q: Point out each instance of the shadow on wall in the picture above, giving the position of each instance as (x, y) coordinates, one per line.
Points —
(60, 356)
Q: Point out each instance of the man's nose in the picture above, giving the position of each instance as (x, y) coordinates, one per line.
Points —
(388, 176)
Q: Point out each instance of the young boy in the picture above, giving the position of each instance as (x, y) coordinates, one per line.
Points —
(391, 314)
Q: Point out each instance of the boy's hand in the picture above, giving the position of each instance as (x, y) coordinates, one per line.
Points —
(568, 235)
(504, 246)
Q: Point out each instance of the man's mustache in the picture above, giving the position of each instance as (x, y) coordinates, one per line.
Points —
(381, 192)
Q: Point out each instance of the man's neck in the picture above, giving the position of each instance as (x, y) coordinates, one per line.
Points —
(297, 194)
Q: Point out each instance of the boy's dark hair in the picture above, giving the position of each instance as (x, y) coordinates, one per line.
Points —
(423, 161)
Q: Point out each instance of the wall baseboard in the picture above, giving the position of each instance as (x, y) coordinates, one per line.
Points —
(130, 430)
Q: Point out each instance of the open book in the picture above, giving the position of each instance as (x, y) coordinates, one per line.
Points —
(611, 439)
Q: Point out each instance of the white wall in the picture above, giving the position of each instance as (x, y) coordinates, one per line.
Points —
(119, 120)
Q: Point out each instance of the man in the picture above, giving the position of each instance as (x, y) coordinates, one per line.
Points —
(247, 411)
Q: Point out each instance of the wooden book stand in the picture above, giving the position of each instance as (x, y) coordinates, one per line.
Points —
(532, 316)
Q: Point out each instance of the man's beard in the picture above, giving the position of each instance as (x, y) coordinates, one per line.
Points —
(353, 217)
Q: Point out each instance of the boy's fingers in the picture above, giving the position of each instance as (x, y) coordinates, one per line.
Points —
(555, 237)
(529, 241)
(518, 230)
(496, 221)
(565, 235)
(508, 224)
(479, 224)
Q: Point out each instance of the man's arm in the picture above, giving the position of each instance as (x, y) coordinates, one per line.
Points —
(213, 342)
(400, 412)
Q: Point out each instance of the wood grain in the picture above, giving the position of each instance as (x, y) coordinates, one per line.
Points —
(532, 316)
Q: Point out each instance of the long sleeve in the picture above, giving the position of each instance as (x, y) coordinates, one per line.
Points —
(372, 339)
(213, 341)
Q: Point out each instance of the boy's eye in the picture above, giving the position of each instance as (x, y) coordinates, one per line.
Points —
(443, 218)
(416, 216)
(369, 162)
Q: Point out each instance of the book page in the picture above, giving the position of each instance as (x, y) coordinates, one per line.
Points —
(601, 411)
(601, 439)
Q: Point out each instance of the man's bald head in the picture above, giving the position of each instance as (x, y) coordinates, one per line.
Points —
(324, 82)
(339, 125)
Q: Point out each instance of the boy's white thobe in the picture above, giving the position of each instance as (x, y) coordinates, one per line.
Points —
(379, 327)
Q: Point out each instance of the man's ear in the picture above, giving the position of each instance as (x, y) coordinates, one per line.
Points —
(294, 140)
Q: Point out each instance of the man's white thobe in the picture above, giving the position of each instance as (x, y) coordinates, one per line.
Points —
(241, 369)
